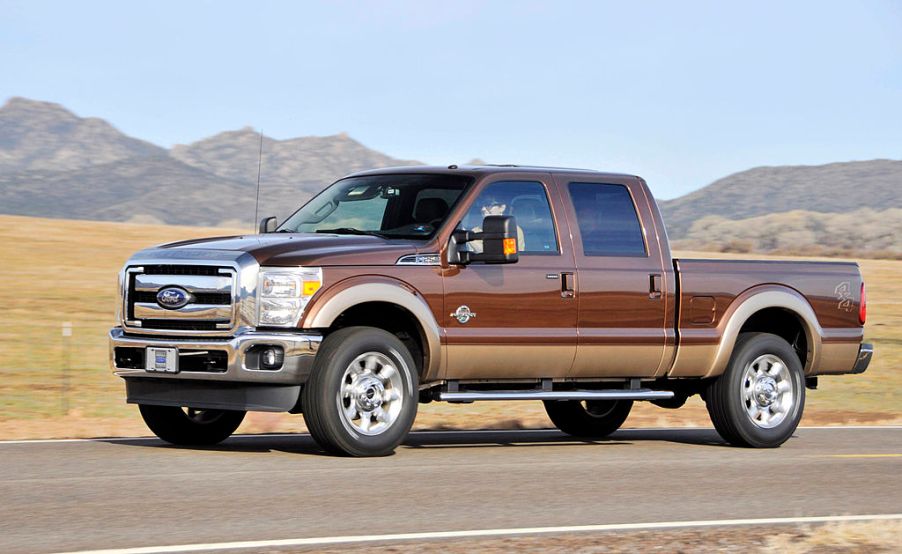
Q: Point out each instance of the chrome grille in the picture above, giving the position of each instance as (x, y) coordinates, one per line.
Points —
(212, 297)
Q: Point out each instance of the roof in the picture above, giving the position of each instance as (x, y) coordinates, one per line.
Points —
(474, 170)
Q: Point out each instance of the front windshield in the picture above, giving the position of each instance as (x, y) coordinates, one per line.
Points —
(396, 206)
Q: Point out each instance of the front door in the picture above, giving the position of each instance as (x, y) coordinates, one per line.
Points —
(514, 320)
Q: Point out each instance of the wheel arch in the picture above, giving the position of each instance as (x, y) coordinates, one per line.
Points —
(774, 309)
(381, 302)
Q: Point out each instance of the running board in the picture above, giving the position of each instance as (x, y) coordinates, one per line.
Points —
(612, 394)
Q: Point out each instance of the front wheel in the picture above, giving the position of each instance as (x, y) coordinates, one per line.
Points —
(758, 401)
(590, 418)
(191, 426)
(361, 398)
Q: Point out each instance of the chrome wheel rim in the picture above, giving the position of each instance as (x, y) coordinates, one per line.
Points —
(768, 393)
(371, 394)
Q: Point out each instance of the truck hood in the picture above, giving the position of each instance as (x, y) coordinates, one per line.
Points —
(308, 249)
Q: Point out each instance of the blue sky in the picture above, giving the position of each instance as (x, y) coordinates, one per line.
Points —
(680, 92)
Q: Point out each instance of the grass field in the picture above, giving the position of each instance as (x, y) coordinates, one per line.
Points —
(56, 271)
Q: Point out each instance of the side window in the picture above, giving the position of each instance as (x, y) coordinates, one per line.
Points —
(525, 200)
(607, 220)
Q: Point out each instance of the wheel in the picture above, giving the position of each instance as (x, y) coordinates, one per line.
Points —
(759, 399)
(190, 426)
(590, 418)
(361, 398)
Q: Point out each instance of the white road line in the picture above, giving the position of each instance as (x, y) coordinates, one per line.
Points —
(481, 533)
(454, 432)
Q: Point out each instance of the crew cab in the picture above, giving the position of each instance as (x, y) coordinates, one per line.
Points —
(400, 286)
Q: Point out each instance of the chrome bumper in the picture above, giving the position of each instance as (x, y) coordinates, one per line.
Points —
(865, 352)
(300, 351)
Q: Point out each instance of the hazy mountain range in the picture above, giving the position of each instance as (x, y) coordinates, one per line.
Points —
(56, 164)
(831, 188)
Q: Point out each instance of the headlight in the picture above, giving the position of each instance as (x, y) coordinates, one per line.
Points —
(283, 294)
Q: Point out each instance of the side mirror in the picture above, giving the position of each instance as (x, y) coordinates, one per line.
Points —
(499, 241)
(268, 225)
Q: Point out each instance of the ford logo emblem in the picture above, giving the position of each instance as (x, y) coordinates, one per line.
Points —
(173, 298)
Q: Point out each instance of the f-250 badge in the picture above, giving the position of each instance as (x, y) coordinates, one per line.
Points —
(463, 314)
(843, 292)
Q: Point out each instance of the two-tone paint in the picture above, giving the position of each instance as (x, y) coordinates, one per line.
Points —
(561, 316)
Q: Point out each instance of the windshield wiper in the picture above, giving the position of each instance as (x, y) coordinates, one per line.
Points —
(350, 231)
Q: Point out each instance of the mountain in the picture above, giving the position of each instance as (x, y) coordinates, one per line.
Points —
(291, 171)
(159, 186)
(234, 154)
(56, 164)
(831, 188)
(45, 136)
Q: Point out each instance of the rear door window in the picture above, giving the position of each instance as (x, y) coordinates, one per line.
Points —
(607, 220)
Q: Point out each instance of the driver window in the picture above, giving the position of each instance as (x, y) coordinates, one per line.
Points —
(525, 200)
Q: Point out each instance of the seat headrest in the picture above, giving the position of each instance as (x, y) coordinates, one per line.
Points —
(527, 208)
(430, 209)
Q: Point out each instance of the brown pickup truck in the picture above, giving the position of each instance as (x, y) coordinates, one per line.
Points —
(400, 286)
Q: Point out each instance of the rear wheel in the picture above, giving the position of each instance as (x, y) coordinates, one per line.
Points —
(758, 401)
(361, 398)
(590, 418)
(190, 426)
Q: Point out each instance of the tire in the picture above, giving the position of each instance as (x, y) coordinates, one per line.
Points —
(189, 426)
(596, 419)
(361, 397)
(759, 399)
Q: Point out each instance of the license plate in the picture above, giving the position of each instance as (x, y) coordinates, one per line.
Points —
(162, 360)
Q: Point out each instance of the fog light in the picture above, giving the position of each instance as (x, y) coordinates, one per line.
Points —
(271, 357)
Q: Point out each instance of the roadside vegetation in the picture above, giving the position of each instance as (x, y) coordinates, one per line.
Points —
(863, 233)
(833, 538)
(56, 271)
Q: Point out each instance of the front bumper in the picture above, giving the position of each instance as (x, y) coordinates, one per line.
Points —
(300, 351)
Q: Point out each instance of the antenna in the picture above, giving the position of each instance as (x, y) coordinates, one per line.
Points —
(259, 168)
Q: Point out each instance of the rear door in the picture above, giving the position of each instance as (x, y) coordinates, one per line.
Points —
(621, 322)
(523, 317)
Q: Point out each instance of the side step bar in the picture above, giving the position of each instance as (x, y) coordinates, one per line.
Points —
(612, 394)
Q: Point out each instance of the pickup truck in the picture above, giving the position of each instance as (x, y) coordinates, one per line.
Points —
(401, 286)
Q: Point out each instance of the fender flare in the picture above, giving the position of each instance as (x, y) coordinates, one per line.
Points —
(760, 298)
(346, 294)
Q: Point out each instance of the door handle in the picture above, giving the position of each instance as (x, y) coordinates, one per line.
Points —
(654, 286)
(567, 285)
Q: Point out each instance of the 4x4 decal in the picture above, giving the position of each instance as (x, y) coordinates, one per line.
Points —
(843, 292)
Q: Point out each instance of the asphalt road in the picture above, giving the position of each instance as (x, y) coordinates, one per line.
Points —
(63, 496)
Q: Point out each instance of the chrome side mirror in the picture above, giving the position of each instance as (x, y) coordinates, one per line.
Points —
(268, 225)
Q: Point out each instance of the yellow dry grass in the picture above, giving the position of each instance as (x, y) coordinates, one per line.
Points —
(832, 538)
(870, 536)
(56, 271)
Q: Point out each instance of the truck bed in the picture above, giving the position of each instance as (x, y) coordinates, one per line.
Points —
(710, 292)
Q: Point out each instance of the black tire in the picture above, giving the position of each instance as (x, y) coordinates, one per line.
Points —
(597, 419)
(325, 407)
(731, 410)
(189, 426)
